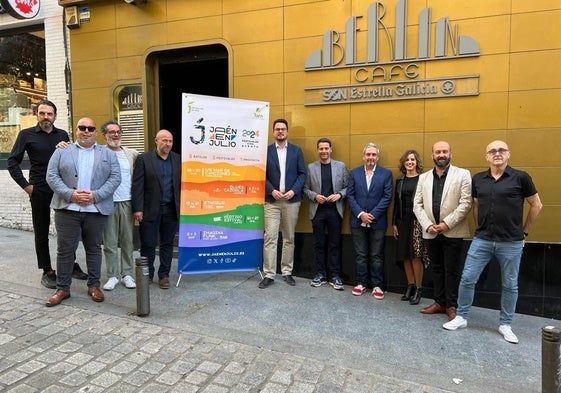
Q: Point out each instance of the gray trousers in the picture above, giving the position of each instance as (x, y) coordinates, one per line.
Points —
(71, 227)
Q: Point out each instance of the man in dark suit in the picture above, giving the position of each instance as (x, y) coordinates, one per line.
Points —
(285, 177)
(326, 188)
(369, 194)
(156, 185)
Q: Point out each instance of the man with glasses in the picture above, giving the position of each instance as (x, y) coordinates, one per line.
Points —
(119, 228)
(284, 181)
(84, 177)
(39, 142)
(498, 204)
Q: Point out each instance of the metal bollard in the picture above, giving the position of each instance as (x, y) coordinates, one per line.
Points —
(142, 287)
(551, 362)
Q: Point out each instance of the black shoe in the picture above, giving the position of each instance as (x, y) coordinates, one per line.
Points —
(289, 280)
(49, 280)
(266, 282)
(416, 297)
(77, 273)
(408, 292)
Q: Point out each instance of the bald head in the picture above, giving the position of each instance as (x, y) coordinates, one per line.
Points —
(497, 154)
(441, 154)
(164, 143)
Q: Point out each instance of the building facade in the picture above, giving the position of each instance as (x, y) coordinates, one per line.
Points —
(32, 67)
(403, 74)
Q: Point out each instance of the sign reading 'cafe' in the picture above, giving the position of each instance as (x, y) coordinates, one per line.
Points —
(401, 76)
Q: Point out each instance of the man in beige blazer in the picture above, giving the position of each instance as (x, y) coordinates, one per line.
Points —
(442, 203)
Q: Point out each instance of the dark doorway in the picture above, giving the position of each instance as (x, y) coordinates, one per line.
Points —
(199, 70)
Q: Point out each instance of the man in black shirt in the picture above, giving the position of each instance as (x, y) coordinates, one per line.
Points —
(498, 203)
(326, 186)
(442, 203)
(39, 142)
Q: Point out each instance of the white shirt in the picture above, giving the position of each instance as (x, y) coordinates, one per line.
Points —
(281, 153)
(86, 159)
(123, 192)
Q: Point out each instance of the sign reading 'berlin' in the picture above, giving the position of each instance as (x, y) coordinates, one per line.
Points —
(400, 77)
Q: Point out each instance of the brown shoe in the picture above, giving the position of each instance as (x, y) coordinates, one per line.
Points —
(434, 308)
(57, 297)
(96, 294)
(451, 312)
(164, 283)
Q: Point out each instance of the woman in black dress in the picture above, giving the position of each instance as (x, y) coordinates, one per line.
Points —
(411, 249)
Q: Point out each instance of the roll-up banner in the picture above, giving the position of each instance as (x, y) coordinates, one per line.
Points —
(224, 155)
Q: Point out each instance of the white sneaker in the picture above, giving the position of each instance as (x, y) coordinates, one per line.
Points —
(506, 331)
(378, 293)
(128, 282)
(111, 283)
(456, 323)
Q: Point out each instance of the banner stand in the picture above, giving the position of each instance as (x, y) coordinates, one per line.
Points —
(181, 275)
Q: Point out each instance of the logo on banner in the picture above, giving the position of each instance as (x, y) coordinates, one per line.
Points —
(399, 76)
(21, 9)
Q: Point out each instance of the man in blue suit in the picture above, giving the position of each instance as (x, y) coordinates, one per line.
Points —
(369, 194)
(285, 177)
(83, 177)
(326, 188)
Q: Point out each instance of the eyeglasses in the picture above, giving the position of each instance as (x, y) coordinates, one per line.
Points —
(118, 132)
(501, 151)
(84, 128)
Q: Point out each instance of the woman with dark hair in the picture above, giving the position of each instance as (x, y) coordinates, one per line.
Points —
(411, 249)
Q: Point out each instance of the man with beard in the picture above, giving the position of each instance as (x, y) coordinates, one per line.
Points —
(156, 184)
(442, 203)
(119, 228)
(83, 177)
(39, 142)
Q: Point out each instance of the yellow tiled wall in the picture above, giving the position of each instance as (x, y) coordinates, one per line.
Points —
(269, 41)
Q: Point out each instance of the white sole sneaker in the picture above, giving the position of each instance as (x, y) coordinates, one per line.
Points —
(111, 283)
(456, 323)
(506, 331)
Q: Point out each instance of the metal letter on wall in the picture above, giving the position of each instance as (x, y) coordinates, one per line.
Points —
(378, 79)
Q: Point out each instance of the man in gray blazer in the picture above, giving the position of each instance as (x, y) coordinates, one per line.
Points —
(442, 203)
(83, 177)
(326, 187)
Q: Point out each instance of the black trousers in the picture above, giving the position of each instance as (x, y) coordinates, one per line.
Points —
(447, 266)
(41, 217)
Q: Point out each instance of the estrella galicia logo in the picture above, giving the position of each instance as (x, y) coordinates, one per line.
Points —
(200, 127)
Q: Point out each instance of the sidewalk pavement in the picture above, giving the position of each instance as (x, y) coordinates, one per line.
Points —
(220, 333)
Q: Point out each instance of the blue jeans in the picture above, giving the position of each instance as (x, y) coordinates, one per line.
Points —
(369, 250)
(165, 227)
(508, 254)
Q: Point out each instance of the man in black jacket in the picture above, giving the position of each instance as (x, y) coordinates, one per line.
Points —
(156, 185)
